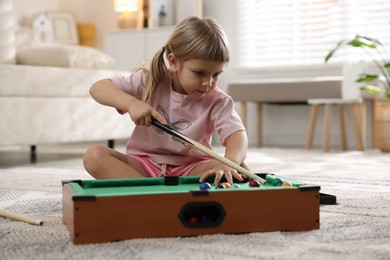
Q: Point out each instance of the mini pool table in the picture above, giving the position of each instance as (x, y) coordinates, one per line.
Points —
(117, 209)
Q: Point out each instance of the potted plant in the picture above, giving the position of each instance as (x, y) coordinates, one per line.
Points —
(377, 84)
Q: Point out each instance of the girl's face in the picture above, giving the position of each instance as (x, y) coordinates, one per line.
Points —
(195, 77)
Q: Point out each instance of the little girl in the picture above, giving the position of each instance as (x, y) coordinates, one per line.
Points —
(184, 96)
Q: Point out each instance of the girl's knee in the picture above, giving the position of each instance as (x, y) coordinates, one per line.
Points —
(93, 156)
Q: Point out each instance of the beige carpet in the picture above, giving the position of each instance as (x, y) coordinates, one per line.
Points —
(357, 228)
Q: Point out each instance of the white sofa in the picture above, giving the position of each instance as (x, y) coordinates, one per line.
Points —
(44, 92)
(42, 105)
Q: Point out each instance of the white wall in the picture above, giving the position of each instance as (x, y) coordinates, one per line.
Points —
(25, 8)
(283, 125)
(98, 12)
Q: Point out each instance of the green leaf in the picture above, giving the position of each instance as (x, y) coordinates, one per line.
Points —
(361, 42)
(387, 65)
(367, 77)
(372, 40)
(330, 54)
(338, 46)
(357, 41)
(387, 95)
(372, 89)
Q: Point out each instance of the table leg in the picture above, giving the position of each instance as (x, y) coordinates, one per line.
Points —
(374, 128)
(327, 126)
(357, 126)
(312, 126)
(344, 142)
(363, 116)
(259, 124)
(243, 110)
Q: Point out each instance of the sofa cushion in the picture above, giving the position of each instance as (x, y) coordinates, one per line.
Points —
(64, 56)
(40, 81)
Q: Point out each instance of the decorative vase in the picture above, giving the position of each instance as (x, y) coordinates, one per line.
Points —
(381, 125)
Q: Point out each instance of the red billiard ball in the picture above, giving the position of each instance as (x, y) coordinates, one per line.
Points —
(193, 220)
(254, 183)
(245, 178)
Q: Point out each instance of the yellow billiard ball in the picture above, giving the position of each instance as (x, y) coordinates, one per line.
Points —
(226, 185)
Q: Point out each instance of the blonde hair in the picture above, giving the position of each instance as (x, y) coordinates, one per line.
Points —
(193, 38)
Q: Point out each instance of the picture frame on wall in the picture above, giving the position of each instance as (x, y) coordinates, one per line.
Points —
(185, 8)
(161, 13)
(64, 27)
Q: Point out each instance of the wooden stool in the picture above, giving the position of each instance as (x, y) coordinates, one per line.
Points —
(358, 112)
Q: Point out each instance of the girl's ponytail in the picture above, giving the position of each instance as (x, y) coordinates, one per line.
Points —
(156, 73)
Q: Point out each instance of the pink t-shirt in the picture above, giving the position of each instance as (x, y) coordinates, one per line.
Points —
(195, 118)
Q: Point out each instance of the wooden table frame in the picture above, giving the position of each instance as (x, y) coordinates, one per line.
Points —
(95, 219)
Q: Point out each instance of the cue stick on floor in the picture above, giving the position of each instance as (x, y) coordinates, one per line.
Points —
(20, 217)
(204, 149)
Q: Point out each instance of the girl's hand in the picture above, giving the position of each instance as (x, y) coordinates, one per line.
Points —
(219, 170)
(142, 113)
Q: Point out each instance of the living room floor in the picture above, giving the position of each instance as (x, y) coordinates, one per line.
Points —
(17, 156)
(358, 227)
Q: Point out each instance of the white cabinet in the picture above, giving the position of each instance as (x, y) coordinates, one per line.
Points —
(130, 48)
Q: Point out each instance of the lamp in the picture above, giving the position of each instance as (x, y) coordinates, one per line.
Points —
(127, 8)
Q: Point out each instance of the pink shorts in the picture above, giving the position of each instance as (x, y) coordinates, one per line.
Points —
(162, 170)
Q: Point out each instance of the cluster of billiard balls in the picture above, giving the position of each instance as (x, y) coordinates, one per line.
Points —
(196, 220)
(226, 185)
(280, 182)
(252, 183)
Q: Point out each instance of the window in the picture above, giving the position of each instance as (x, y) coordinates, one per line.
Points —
(301, 32)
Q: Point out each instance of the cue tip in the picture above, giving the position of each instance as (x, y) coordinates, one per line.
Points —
(38, 222)
(261, 180)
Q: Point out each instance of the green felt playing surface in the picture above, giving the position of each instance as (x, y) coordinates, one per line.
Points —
(140, 186)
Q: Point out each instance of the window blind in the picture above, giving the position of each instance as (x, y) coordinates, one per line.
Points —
(302, 32)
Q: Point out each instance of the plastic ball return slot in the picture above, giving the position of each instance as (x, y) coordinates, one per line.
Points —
(202, 214)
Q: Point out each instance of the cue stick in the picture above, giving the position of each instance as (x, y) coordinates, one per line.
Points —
(204, 149)
(20, 217)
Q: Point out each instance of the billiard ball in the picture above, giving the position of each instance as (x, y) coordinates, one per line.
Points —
(277, 182)
(226, 185)
(205, 219)
(254, 183)
(205, 186)
(245, 178)
(236, 186)
(286, 184)
(220, 186)
(193, 220)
